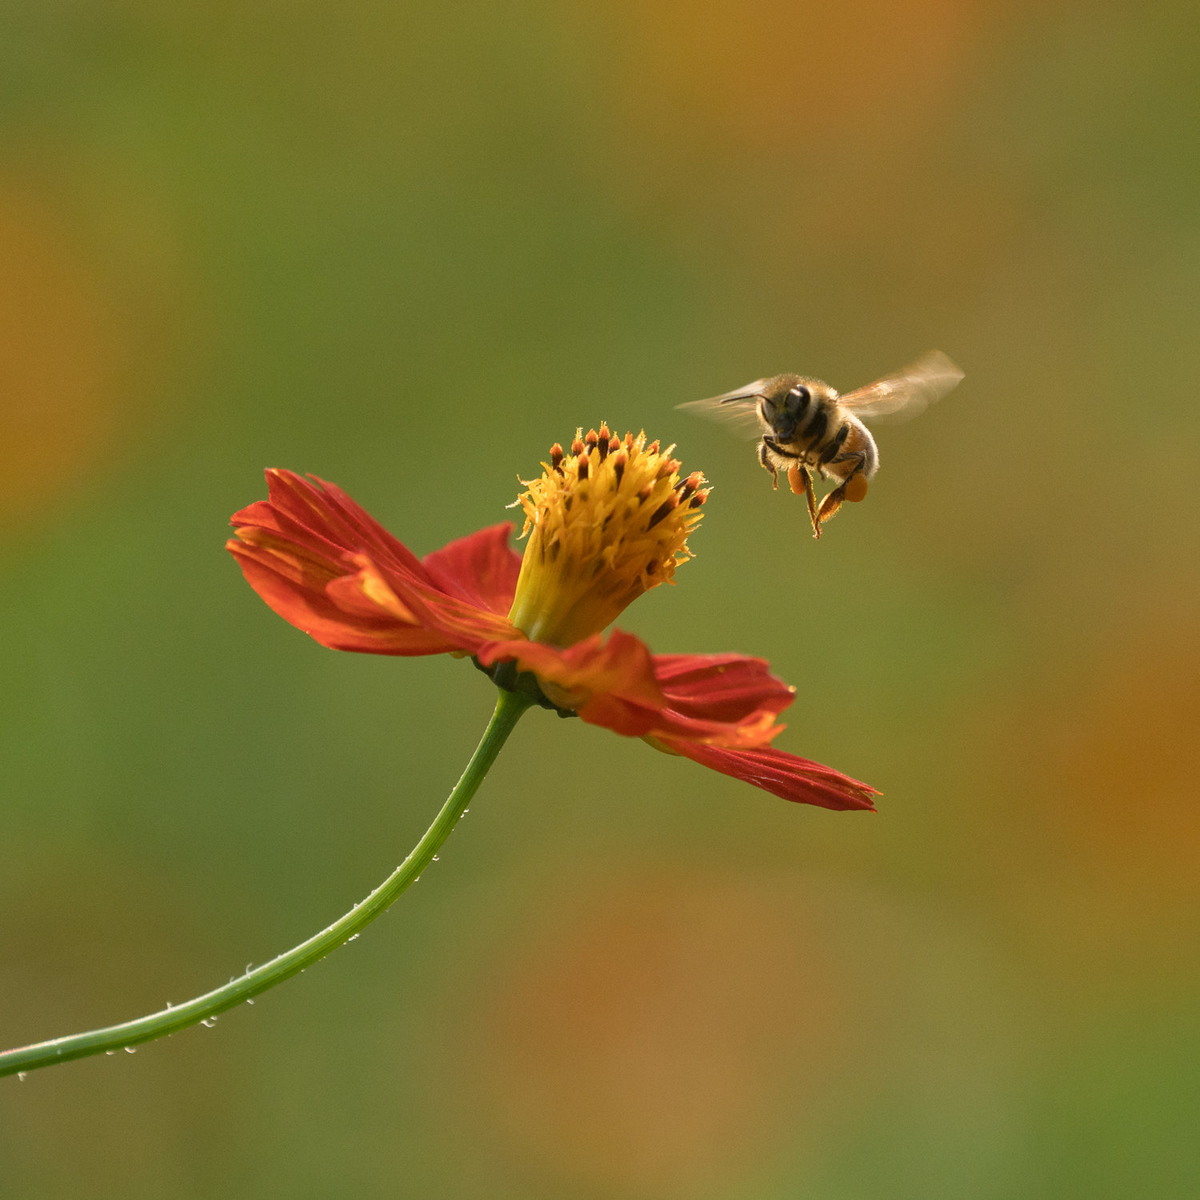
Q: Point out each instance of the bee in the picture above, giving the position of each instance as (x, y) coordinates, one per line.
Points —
(805, 427)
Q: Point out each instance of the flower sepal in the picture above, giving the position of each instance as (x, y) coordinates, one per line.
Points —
(509, 677)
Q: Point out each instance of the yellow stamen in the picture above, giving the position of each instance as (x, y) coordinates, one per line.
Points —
(606, 522)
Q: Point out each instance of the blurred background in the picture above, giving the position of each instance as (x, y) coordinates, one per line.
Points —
(406, 247)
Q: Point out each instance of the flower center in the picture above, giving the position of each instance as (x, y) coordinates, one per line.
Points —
(606, 522)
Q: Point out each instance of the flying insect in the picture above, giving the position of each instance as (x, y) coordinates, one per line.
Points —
(806, 428)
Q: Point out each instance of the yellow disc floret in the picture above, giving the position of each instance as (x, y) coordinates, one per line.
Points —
(606, 522)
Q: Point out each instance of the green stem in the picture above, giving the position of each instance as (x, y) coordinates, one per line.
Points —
(509, 707)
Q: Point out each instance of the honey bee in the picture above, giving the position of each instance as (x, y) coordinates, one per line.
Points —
(804, 426)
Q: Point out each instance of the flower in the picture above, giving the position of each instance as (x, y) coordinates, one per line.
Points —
(606, 521)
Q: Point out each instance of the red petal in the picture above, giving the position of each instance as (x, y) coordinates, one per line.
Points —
(481, 568)
(610, 684)
(621, 686)
(782, 774)
(720, 687)
(328, 567)
(411, 595)
(320, 515)
(315, 607)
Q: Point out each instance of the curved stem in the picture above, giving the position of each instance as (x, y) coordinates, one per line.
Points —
(509, 707)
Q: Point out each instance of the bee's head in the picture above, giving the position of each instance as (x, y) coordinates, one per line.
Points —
(785, 403)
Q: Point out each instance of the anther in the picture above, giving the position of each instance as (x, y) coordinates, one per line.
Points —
(556, 458)
(672, 502)
(583, 465)
(577, 447)
(620, 458)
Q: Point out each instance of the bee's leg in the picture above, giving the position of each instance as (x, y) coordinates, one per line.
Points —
(831, 504)
(767, 464)
(831, 453)
(853, 489)
(801, 484)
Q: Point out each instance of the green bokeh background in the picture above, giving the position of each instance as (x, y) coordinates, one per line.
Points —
(408, 246)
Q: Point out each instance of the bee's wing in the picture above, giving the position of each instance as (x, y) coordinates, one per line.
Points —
(738, 408)
(906, 392)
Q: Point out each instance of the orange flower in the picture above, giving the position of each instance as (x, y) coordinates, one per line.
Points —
(605, 522)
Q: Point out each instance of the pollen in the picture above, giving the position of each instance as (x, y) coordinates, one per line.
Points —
(605, 521)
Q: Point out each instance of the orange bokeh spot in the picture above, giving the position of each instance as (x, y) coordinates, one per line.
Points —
(1126, 757)
(60, 359)
(680, 1027)
(772, 73)
(1102, 858)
